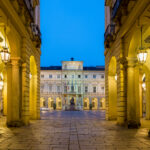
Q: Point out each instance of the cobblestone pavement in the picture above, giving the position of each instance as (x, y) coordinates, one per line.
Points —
(78, 130)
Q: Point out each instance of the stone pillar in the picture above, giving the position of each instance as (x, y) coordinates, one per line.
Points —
(147, 98)
(5, 93)
(121, 93)
(133, 102)
(25, 93)
(14, 93)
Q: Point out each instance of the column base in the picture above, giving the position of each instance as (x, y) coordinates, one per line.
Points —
(15, 124)
(133, 125)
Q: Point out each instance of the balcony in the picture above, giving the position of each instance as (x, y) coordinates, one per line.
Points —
(116, 8)
(36, 30)
(30, 8)
(110, 31)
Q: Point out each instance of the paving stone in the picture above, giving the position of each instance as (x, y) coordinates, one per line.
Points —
(78, 130)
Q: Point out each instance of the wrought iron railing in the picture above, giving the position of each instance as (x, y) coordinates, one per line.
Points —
(109, 31)
(29, 7)
(115, 8)
(35, 29)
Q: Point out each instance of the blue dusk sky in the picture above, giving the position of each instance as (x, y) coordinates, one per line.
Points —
(72, 28)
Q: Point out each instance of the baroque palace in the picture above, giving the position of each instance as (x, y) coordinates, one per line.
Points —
(85, 85)
(127, 59)
(20, 61)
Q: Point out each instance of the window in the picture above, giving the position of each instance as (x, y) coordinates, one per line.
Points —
(58, 76)
(72, 88)
(94, 89)
(102, 76)
(65, 88)
(65, 76)
(72, 76)
(86, 76)
(79, 89)
(58, 88)
(86, 89)
(42, 75)
(94, 76)
(50, 76)
(42, 88)
(65, 66)
(79, 76)
(79, 67)
(102, 88)
(50, 88)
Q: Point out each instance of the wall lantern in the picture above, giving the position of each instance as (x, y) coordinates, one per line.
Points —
(30, 75)
(116, 77)
(5, 55)
(142, 53)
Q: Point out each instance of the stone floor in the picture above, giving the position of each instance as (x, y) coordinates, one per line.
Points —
(78, 130)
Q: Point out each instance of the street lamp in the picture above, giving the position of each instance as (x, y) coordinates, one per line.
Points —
(142, 53)
(5, 54)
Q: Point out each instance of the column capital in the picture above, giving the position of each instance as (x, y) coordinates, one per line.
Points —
(132, 61)
(15, 61)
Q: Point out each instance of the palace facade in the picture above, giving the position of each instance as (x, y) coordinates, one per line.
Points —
(127, 61)
(85, 85)
(20, 41)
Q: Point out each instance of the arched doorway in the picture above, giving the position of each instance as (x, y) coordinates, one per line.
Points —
(102, 104)
(94, 104)
(33, 88)
(58, 103)
(112, 90)
(86, 103)
(50, 103)
(42, 102)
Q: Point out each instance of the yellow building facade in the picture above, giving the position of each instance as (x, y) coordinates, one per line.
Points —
(20, 33)
(127, 85)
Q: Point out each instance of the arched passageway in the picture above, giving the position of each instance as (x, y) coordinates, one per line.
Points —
(58, 103)
(102, 104)
(94, 104)
(112, 90)
(86, 103)
(138, 79)
(33, 88)
(50, 103)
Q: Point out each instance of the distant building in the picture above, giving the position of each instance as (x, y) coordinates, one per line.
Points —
(60, 84)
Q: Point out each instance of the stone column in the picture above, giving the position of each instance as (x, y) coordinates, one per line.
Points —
(25, 93)
(147, 98)
(133, 102)
(14, 93)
